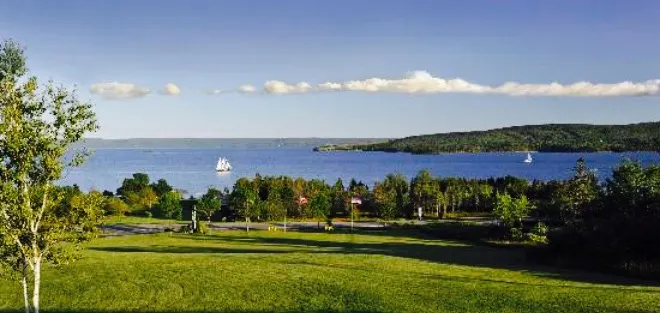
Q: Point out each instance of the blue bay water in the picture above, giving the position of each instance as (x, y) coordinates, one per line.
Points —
(193, 169)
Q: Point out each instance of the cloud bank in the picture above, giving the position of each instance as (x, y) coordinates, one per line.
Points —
(170, 90)
(417, 82)
(421, 82)
(118, 91)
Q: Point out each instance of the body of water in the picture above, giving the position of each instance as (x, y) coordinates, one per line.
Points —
(193, 169)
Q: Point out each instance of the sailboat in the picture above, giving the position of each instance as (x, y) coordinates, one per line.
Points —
(223, 165)
(528, 159)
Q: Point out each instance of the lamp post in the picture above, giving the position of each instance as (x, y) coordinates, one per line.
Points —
(354, 200)
(194, 219)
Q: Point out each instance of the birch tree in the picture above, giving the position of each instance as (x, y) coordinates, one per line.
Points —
(38, 126)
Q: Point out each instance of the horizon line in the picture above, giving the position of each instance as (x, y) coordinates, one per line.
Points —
(371, 137)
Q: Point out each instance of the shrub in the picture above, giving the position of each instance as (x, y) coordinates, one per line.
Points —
(516, 234)
(116, 206)
(538, 233)
(169, 206)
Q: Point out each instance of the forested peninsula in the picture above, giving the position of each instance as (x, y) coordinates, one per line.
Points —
(542, 138)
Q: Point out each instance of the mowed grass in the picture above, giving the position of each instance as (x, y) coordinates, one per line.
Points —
(262, 271)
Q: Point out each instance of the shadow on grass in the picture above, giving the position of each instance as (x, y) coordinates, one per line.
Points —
(46, 310)
(186, 250)
(446, 252)
(208, 311)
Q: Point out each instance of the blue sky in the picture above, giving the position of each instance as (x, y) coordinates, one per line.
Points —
(201, 46)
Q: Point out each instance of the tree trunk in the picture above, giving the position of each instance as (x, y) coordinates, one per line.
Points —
(24, 282)
(37, 281)
(247, 226)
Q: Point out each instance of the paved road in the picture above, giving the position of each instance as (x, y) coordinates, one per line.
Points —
(121, 229)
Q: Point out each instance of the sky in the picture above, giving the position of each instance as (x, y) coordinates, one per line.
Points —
(344, 68)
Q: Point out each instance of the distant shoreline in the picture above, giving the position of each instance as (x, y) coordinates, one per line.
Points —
(219, 143)
(485, 152)
(560, 138)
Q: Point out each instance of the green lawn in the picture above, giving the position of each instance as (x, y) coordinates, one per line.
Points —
(313, 272)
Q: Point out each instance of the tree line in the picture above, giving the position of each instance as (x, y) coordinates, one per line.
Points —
(545, 138)
(272, 198)
(613, 223)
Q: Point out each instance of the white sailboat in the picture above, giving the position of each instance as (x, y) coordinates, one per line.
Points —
(528, 159)
(223, 165)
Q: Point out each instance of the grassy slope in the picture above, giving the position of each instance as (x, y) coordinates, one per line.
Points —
(292, 272)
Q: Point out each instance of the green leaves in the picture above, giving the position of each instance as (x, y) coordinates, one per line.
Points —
(423, 191)
(511, 211)
(210, 203)
(37, 128)
(12, 60)
(578, 195)
(169, 206)
(391, 196)
(243, 197)
(320, 206)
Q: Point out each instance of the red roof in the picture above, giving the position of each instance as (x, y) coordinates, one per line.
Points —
(301, 200)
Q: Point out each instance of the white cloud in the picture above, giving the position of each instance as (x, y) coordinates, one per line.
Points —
(584, 89)
(414, 82)
(247, 89)
(214, 92)
(170, 90)
(118, 91)
(280, 87)
(417, 82)
(423, 82)
(329, 86)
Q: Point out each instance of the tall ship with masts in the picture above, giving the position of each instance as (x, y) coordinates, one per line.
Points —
(223, 165)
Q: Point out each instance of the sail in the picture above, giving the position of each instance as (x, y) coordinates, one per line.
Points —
(223, 165)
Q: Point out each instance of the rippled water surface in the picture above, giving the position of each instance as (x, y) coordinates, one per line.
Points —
(193, 169)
